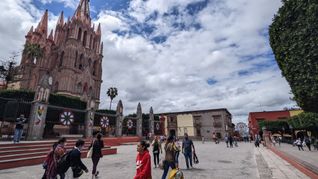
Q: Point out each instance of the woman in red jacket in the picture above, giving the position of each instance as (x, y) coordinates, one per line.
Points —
(143, 161)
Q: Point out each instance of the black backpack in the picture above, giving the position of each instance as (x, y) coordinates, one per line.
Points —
(64, 163)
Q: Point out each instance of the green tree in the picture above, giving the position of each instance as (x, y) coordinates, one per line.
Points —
(293, 38)
(112, 93)
(7, 68)
(33, 51)
(304, 120)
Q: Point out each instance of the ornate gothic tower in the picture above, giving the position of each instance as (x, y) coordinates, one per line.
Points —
(72, 56)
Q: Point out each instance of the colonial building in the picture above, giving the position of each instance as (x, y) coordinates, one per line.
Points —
(200, 123)
(255, 117)
(72, 56)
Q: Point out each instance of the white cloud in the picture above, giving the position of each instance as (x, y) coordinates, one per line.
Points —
(172, 76)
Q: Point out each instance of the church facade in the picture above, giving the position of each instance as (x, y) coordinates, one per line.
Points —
(72, 56)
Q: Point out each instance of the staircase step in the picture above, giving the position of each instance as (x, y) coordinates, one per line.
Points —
(35, 160)
(36, 149)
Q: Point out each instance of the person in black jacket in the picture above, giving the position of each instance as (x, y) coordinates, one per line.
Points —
(97, 145)
(75, 158)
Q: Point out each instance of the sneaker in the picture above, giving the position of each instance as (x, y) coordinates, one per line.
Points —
(96, 174)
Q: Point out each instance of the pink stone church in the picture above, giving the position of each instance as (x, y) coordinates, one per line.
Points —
(72, 56)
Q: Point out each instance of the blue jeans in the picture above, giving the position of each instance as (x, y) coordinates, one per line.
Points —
(17, 135)
(166, 166)
(187, 156)
(62, 175)
(177, 157)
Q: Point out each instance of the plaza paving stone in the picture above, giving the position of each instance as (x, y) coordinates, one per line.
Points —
(306, 157)
(216, 161)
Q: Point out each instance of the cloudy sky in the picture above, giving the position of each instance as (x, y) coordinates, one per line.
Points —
(173, 55)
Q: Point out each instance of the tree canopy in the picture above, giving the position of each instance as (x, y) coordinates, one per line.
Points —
(304, 120)
(293, 38)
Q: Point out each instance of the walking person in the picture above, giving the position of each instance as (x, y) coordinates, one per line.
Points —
(187, 146)
(299, 144)
(231, 141)
(19, 124)
(178, 147)
(98, 145)
(75, 159)
(308, 143)
(280, 140)
(143, 161)
(257, 140)
(48, 161)
(226, 139)
(214, 137)
(59, 151)
(170, 152)
(156, 150)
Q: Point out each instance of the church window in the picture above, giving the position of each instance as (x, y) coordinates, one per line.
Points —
(95, 67)
(79, 88)
(79, 36)
(76, 54)
(89, 62)
(61, 59)
(80, 66)
(90, 91)
(67, 33)
(93, 43)
(85, 38)
(56, 87)
(85, 88)
(90, 41)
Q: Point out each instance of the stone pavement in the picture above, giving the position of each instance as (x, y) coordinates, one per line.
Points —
(216, 161)
(307, 158)
(278, 167)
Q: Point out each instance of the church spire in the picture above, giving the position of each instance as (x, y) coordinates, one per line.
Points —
(61, 20)
(82, 12)
(30, 31)
(51, 36)
(98, 32)
(43, 24)
(101, 48)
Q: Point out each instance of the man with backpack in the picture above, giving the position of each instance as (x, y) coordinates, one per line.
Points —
(75, 159)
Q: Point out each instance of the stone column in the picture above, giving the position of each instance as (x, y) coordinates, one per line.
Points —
(36, 121)
(139, 121)
(89, 123)
(119, 119)
(151, 122)
(89, 118)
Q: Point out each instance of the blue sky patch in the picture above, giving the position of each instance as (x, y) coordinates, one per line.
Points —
(211, 81)
(195, 8)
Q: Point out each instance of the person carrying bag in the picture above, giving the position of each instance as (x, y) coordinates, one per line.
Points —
(95, 152)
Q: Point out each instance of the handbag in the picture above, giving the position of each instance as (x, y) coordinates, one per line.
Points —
(90, 151)
(195, 158)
